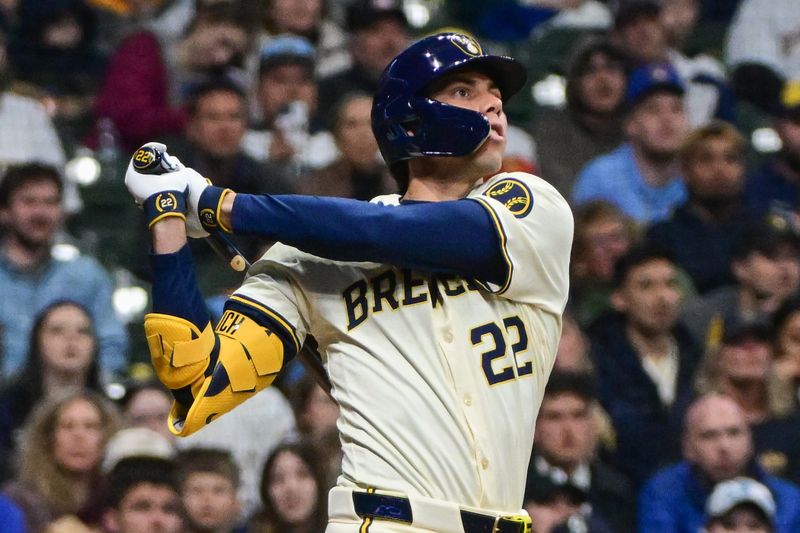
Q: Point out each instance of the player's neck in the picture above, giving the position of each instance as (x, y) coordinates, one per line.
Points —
(440, 178)
(431, 190)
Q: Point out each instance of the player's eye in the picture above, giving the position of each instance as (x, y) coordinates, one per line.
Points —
(461, 91)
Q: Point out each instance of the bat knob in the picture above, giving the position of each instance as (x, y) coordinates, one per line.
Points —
(152, 159)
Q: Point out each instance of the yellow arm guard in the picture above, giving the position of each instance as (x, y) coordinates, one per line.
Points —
(246, 357)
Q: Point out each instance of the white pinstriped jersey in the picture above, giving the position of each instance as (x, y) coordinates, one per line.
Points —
(439, 379)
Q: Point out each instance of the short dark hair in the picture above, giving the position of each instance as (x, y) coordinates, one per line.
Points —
(638, 255)
(133, 471)
(580, 384)
(218, 84)
(207, 461)
(18, 176)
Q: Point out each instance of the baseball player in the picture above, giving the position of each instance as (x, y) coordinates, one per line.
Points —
(437, 312)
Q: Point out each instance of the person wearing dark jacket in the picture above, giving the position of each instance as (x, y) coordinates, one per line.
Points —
(645, 361)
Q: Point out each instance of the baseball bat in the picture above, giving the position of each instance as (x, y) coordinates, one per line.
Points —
(150, 160)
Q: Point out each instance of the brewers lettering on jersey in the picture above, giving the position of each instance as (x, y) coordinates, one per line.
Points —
(436, 312)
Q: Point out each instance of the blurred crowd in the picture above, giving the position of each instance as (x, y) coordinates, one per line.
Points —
(671, 126)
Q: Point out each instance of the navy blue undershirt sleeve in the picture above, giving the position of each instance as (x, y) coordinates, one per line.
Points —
(454, 237)
(175, 290)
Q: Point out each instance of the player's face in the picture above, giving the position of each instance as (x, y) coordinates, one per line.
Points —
(147, 508)
(717, 439)
(210, 501)
(34, 213)
(658, 125)
(78, 437)
(565, 433)
(716, 172)
(748, 359)
(602, 84)
(292, 488)
(649, 297)
(219, 123)
(477, 92)
(66, 341)
(740, 520)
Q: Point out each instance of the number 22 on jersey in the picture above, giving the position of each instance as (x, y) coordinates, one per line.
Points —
(494, 336)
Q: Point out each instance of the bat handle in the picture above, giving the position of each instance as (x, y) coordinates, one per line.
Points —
(150, 159)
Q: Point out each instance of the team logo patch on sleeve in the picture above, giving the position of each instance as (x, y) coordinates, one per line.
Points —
(514, 195)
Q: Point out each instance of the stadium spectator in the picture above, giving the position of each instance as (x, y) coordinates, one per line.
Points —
(645, 362)
(378, 32)
(717, 446)
(743, 368)
(358, 172)
(603, 234)
(137, 92)
(740, 504)
(787, 343)
(260, 425)
(49, 40)
(215, 46)
(307, 19)
(60, 455)
(218, 111)
(141, 496)
(31, 277)
(136, 442)
(591, 122)
(573, 348)
(639, 30)
(642, 176)
(766, 266)
(702, 232)
(565, 457)
(293, 492)
(147, 405)
(288, 130)
(62, 358)
(775, 184)
(762, 49)
(208, 480)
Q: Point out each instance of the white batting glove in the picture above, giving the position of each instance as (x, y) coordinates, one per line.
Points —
(142, 186)
(196, 184)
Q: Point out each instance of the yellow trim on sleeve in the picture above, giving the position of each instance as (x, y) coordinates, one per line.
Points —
(222, 196)
(502, 235)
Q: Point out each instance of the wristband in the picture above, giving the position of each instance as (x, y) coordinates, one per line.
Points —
(164, 204)
(208, 208)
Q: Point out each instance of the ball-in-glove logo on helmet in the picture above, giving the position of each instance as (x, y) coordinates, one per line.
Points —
(466, 44)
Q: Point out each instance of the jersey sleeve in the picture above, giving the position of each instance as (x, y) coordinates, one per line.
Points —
(271, 290)
(535, 227)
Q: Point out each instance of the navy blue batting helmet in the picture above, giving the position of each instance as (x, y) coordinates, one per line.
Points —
(408, 124)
